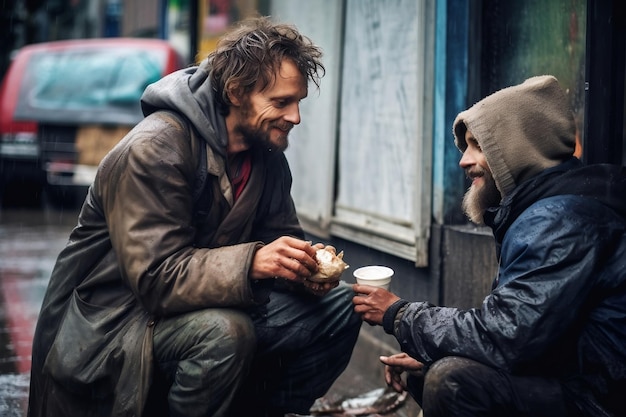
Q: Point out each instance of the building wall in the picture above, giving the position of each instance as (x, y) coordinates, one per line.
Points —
(468, 265)
(140, 18)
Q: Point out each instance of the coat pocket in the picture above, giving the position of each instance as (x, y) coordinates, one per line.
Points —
(91, 348)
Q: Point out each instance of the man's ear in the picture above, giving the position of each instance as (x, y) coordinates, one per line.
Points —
(234, 94)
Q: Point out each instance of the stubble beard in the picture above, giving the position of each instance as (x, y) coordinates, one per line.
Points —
(478, 199)
(258, 137)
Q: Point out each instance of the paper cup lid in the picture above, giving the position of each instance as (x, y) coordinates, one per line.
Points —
(373, 272)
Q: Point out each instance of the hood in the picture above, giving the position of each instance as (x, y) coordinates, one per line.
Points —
(189, 92)
(522, 130)
(602, 182)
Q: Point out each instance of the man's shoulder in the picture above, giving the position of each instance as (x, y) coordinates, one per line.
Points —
(561, 225)
(160, 128)
(563, 207)
(565, 216)
(164, 118)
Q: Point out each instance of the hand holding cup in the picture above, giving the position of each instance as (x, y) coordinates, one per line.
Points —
(372, 297)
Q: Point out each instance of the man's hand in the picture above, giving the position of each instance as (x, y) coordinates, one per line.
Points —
(318, 288)
(286, 257)
(396, 365)
(372, 302)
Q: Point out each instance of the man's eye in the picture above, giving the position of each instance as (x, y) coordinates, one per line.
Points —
(281, 103)
(475, 144)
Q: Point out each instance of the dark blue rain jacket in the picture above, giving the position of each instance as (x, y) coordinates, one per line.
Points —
(558, 305)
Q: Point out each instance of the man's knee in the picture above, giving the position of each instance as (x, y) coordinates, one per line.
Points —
(461, 386)
(205, 333)
(226, 330)
(341, 308)
(203, 357)
(450, 368)
(448, 381)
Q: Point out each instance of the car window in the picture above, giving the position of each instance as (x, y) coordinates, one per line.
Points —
(92, 85)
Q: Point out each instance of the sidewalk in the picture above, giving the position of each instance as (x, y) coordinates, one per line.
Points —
(365, 371)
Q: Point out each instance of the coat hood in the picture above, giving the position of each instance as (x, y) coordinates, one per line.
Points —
(522, 130)
(601, 182)
(189, 92)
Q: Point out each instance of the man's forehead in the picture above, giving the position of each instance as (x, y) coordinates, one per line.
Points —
(288, 72)
(286, 79)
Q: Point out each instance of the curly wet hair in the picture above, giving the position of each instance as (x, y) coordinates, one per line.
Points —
(252, 52)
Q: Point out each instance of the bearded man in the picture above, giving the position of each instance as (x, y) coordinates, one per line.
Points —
(550, 339)
(183, 290)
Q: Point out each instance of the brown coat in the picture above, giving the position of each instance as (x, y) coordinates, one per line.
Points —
(144, 249)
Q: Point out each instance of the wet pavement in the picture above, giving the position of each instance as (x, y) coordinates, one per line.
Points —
(30, 240)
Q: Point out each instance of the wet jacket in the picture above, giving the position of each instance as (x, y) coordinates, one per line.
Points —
(558, 306)
(158, 235)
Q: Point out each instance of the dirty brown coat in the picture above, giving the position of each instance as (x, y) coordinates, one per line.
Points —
(145, 247)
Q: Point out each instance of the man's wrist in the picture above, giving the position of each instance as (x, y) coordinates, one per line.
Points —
(389, 317)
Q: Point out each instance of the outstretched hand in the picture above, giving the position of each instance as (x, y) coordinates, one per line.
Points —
(372, 302)
(396, 366)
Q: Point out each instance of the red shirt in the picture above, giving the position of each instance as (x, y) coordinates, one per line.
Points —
(240, 179)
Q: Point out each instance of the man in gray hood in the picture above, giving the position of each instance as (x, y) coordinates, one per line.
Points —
(550, 338)
(183, 289)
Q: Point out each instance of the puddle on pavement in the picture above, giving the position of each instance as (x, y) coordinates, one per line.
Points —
(13, 395)
(29, 244)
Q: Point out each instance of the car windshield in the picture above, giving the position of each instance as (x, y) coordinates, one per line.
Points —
(92, 85)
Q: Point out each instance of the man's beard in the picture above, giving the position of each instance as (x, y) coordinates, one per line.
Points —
(260, 138)
(257, 137)
(479, 198)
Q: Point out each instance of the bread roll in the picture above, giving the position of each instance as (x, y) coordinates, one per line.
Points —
(329, 266)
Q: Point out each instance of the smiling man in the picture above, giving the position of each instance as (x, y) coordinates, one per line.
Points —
(183, 290)
(483, 193)
(266, 117)
(549, 340)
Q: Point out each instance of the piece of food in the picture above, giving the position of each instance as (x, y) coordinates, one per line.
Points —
(329, 266)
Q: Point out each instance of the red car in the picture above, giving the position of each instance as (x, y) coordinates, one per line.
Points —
(64, 104)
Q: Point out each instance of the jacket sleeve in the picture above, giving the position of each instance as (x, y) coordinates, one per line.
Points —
(148, 204)
(546, 273)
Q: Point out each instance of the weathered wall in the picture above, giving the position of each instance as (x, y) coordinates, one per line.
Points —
(468, 265)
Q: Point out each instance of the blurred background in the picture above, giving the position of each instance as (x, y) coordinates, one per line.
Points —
(375, 169)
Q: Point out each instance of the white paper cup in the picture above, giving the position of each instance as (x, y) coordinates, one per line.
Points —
(374, 275)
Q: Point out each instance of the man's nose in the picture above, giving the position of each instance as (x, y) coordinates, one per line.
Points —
(293, 114)
(466, 159)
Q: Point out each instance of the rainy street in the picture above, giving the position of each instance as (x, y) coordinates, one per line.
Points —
(30, 240)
